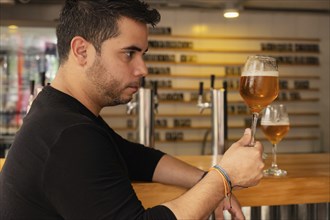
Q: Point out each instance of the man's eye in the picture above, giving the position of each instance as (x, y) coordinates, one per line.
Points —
(130, 54)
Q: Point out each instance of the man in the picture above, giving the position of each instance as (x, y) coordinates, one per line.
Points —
(67, 163)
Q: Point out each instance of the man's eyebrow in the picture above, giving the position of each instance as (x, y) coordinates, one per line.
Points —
(134, 48)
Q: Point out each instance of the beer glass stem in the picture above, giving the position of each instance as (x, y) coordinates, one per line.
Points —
(274, 150)
(255, 116)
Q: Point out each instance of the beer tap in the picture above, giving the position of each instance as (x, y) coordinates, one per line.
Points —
(204, 105)
(218, 107)
(146, 105)
(155, 96)
(131, 105)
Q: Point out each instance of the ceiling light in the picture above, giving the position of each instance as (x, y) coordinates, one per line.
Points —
(13, 27)
(230, 13)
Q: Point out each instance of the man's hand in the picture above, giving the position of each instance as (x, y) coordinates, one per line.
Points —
(243, 164)
(232, 206)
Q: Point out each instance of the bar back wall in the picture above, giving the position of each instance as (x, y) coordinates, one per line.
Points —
(185, 49)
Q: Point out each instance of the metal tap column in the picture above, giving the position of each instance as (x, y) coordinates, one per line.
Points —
(146, 105)
(218, 128)
(146, 117)
(218, 110)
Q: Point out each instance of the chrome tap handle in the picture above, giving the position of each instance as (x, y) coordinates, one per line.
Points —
(202, 105)
(142, 82)
(134, 103)
(212, 81)
(155, 96)
(200, 93)
(200, 97)
(131, 106)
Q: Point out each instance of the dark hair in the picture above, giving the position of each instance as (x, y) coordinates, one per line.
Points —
(96, 21)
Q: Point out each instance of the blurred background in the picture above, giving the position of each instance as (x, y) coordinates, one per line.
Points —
(192, 41)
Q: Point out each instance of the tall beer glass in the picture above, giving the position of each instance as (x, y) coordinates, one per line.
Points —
(275, 125)
(258, 86)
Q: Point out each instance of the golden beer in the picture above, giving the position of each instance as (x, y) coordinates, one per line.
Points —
(259, 89)
(275, 132)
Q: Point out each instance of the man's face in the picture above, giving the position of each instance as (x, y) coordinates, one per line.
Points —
(116, 73)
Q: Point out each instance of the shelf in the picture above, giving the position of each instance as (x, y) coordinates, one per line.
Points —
(200, 50)
(7, 138)
(203, 115)
(207, 76)
(182, 76)
(205, 52)
(194, 63)
(207, 127)
(257, 38)
(231, 114)
(298, 100)
(235, 101)
(216, 64)
(229, 90)
(187, 73)
(233, 139)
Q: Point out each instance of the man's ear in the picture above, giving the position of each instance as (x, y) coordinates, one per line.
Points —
(79, 49)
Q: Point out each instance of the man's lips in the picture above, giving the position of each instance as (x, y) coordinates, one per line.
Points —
(134, 89)
(134, 86)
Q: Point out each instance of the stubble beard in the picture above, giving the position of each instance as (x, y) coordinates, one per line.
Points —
(108, 89)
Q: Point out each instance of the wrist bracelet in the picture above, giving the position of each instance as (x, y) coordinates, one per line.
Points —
(225, 174)
(225, 178)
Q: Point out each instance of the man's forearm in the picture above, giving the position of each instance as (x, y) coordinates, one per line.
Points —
(173, 171)
(201, 200)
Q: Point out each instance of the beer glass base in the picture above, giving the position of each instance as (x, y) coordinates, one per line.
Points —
(274, 172)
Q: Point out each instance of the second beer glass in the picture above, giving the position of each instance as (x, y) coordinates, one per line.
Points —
(258, 86)
(275, 125)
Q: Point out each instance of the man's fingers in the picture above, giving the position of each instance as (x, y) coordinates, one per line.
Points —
(259, 146)
(245, 139)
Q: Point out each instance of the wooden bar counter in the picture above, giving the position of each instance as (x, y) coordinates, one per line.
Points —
(307, 181)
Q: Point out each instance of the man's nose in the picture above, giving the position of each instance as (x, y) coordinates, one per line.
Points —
(141, 68)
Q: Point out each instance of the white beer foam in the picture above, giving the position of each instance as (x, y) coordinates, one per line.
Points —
(272, 123)
(261, 73)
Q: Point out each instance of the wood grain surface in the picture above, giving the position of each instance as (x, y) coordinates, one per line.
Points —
(307, 182)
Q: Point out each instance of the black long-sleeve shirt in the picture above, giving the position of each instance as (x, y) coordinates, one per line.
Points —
(66, 163)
